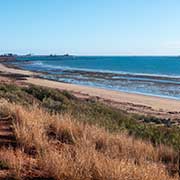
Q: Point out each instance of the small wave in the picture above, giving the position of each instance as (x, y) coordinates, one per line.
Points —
(110, 87)
(58, 67)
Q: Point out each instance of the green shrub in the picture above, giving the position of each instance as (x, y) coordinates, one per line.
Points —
(94, 112)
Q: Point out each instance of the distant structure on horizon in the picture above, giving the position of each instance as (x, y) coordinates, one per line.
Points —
(7, 57)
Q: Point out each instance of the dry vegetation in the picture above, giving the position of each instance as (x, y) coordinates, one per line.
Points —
(56, 146)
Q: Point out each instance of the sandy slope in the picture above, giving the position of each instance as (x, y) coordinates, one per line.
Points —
(151, 101)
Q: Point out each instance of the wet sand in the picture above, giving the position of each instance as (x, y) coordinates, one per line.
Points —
(128, 101)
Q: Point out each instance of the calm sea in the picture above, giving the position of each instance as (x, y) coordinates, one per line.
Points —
(158, 76)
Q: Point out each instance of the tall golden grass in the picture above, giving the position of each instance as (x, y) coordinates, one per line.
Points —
(60, 147)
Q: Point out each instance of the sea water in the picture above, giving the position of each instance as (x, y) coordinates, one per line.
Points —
(150, 75)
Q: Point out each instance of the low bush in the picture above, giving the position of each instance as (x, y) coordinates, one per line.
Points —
(94, 113)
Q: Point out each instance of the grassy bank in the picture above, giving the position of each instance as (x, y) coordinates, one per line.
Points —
(94, 113)
(59, 136)
(60, 147)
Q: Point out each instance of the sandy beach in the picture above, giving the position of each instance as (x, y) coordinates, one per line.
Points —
(127, 101)
(5, 69)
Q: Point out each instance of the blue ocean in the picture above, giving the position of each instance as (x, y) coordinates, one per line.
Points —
(149, 75)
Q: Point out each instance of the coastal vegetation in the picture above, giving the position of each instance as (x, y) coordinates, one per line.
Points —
(59, 136)
(156, 130)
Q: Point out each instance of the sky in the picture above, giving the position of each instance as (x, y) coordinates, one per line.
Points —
(90, 27)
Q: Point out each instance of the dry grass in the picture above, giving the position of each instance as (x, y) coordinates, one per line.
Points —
(63, 148)
(89, 164)
(16, 161)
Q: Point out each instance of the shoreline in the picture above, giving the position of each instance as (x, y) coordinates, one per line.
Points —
(164, 86)
(131, 102)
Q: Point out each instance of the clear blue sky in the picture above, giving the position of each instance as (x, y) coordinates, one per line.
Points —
(90, 27)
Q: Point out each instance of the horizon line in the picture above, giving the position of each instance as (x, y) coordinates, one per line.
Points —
(68, 54)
